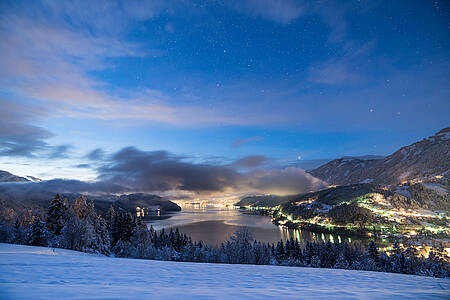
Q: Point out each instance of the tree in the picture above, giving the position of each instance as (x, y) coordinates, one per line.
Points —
(110, 216)
(280, 253)
(81, 207)
(78, 234)
(398, 259)
(55, 215)
(38, 234)
(122, 227)
(101, 241)
(241, 243)
(341, 262)
(373, 251)
(315, 262)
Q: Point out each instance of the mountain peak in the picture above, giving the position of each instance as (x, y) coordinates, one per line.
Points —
(8, 177)
(424, 159)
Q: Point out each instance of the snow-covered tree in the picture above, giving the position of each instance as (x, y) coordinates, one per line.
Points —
(341, 262)
(81, 208)
(38, 234)
(55, 215)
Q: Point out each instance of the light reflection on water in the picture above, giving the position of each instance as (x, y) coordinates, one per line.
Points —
(215, 225)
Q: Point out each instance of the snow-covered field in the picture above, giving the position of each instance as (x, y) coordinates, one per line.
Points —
(43, 273)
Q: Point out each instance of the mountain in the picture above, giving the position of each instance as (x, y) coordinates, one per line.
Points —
(366, 157)
(333, 203)
(368, 205)
(8, 177)
(263, 200)
(344, 170)
(15, 197)
(32, 178)
(425, 159)
(131, 201)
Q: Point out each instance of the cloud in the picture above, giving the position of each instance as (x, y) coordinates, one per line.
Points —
(107, 17)
(18, 137)
(162, 171)
(61, 151)
(96, 154)
(83, 166)
(72, 40)
(286, 181)
(31, 190)
(251, 161)
(333, 14)
(279, 11)
(240, 142)
(345, 68)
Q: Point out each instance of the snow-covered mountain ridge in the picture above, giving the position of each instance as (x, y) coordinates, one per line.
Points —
(426, 159)
(8, 177)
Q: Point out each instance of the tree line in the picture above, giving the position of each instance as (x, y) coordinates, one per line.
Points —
(119, 233)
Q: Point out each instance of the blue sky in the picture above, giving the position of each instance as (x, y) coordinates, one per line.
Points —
(216, 81)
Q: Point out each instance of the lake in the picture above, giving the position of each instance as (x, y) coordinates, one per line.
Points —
(215, 225)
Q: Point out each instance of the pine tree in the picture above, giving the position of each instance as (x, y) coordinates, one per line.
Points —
(38, 234)
(102, 241)
(80, 207)
(18, 233)
(78, 234)
(241, 243)
(55, 215)
(110, 216)
(373, 251)
(122, 228)
(398, 259)
(315, 262)
(341, 262)
(280, 253)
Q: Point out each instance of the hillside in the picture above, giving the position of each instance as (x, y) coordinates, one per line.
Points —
(263, 201)
(14, 201)
(43, 273)
(425, 159)
(369, 206)
(131, 201)
(344, 170)
(8, 177)
(323, 205)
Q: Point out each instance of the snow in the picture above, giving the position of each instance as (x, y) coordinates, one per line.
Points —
(367, 180)
(445, 135)
(28, 272)
(404, 153)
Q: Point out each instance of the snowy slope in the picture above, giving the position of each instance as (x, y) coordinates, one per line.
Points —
(41, 273)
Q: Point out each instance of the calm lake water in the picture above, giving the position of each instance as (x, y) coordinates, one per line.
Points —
(215, 225)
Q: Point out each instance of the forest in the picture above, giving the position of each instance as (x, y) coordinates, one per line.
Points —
(118, 233)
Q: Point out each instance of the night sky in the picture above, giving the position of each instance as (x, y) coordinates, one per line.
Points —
(252, 88)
